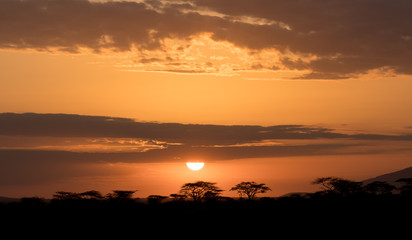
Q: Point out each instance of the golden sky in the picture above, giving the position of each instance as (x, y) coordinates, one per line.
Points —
(119, 94)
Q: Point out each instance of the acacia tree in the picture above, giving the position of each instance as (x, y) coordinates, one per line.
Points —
(93, 194)
(406, 188)
(156, 198)
(379, 188)
(178, 197)
(200, 190)
(121, 195)
(61, 195)
(250, 189)
(339, 186)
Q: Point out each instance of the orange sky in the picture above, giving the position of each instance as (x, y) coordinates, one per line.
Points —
(77, 84)
(207, 62)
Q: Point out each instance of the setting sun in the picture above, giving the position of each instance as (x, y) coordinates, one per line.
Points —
(195, 166)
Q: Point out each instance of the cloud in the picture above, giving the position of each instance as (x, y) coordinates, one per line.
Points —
(347, 37)
(125, 131)
(339, 39)
(36, 148)
(33, 167)
(68, 25)
(79, 144)
(67, 125)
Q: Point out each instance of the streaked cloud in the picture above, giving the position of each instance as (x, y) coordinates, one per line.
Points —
(78, 144)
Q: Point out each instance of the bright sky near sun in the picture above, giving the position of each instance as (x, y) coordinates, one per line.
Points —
(339, 71)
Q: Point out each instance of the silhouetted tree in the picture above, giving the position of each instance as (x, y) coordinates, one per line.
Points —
(156, 198)
(339, 186)
(61, 195)
(211, 195)
(91, 195)
(250, 189)
(379, 188)
(121, 195)
(200, 190)
(406, 188)
(178, 197)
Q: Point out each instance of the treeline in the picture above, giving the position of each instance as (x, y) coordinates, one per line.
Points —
(331, 187)
(341, 206)
(201, 191)
(198, 192)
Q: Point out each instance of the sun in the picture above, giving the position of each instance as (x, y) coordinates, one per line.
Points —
(195, 166)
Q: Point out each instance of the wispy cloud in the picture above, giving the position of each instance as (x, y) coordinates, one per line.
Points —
(79, 144)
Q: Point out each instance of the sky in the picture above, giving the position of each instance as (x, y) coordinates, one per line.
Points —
(119, 95)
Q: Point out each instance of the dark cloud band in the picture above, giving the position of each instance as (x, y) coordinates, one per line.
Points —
(165, 142)
(346, 37)
(70, 125)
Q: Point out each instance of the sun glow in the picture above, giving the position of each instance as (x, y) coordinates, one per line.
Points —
(195, 166)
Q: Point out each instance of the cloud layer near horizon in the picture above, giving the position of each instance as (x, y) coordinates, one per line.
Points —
(42, 147)
(50, 132)
(36, 147)
(330, 39)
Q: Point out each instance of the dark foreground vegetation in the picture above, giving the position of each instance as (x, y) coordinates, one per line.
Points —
(342, 206)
